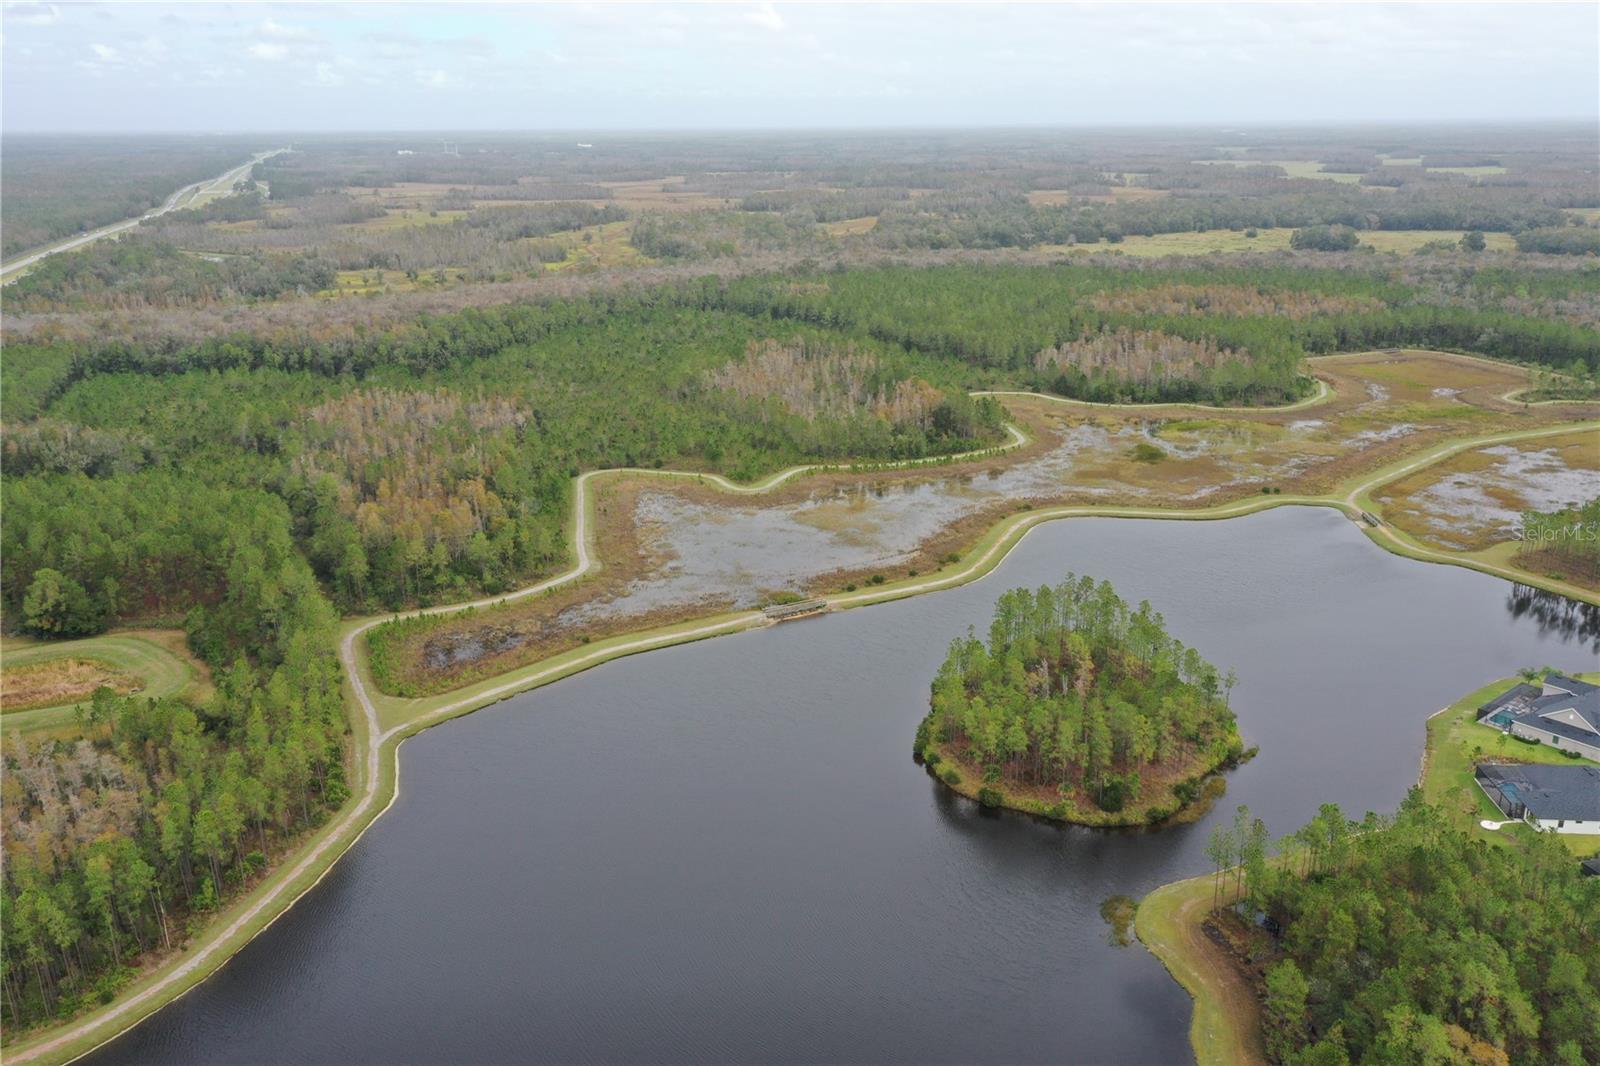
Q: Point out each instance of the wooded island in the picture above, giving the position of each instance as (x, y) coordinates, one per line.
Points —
(1080, 708)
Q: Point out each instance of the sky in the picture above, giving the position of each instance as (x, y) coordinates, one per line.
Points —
(203, 67)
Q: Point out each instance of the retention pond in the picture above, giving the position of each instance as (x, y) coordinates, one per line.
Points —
(723, 851)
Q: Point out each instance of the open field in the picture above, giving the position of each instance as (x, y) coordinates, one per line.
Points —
(151, 662)
(53, 682)
(850, 227)
(1205, 242)
(1294, 168)
(1113, 194)
(1456, 743)
(602, 247)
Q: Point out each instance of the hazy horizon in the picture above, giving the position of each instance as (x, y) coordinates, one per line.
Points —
(670, 68)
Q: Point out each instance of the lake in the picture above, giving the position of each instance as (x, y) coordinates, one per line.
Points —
(723, 851)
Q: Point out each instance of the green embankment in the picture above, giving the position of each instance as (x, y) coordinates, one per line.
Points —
(395, 719)
(156, 658)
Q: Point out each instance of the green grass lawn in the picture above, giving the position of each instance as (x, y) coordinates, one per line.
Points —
(156, 657)
(1456, 742)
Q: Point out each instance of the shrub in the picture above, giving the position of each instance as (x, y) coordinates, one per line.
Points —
(877, 579)
(1145, 452)
(991, 797)
(1116, 790)
(1324, 239)
(950, 776)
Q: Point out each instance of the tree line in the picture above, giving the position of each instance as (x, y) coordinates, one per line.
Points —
(1404, 939)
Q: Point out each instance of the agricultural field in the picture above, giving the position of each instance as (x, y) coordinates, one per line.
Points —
(1294, 168)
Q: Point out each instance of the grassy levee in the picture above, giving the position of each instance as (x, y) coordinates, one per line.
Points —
(1493, 560)
(156, 657)
(1225, 1029)
(380, 723)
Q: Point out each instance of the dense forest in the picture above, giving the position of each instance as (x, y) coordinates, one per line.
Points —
(1082, 696)
(205, 427)
(159, 810)
(431, 461)
(439, 465)
(1405, 940)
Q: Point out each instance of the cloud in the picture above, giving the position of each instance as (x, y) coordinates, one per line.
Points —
(32, 14)
(269, 52)
(394, 45)
(104, 52)
(436, 79)
(281, 32)
(327, 76)
(766, 16)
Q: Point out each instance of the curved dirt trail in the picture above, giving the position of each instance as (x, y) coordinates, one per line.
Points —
(346, 828)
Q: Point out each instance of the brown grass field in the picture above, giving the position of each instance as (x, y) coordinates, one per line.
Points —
(55, 681)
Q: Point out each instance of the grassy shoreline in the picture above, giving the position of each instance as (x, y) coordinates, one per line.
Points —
(1159, 811)
(393, 720)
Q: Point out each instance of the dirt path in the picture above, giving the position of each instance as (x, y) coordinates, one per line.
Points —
(273, 897)
(1226, 1027)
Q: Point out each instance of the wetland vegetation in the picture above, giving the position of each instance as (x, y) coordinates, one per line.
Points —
(365, 382)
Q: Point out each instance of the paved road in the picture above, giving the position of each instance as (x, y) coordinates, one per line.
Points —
(216, 186)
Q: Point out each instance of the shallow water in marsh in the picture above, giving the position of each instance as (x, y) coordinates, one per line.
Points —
(1489, 502)
(722, 852)
(738, 553)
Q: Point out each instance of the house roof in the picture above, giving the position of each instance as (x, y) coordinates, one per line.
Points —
(1549, 792)
(1562, 706)
(1592, 866)
(1569, 684)
(1518, 695)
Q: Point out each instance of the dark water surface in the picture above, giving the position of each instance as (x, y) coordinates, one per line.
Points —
(723, 851)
